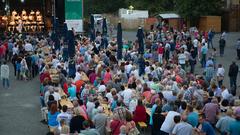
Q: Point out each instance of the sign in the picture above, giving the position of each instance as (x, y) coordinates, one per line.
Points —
(74, 14)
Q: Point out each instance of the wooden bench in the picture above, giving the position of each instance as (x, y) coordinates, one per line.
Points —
(142, 126)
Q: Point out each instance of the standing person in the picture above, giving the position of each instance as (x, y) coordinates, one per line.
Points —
(238, 49)
(210, 37)
(10, 49)
(220, 75)
(182, 59)
(14, 62)
(5, 75)
(23, 69)
(141, 63)
(222, 44)
(204, 51)
(192, 61)
(160, 53)
(209, 72)
(232, 73)
(140, 114)
(52, 118)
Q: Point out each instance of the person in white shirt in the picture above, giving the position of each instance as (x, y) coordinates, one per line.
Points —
(225, 93)
(195, 43)
(5, 75)
(220, 75)
(15, 50)
(126, 94)
(55, 61)
(109, 95)
(64, 115)
(133, 102)
(90, 106)
(169, 123)
(28, 47)
(182, 59)
(128, 68)
(101, 87)
(77, 75)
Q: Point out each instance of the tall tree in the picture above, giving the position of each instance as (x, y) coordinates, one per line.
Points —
(102, 6)
(193, 9)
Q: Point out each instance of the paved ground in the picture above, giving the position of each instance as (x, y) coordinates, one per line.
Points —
(20, 108)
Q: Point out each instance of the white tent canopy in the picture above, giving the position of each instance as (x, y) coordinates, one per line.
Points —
(169, 16)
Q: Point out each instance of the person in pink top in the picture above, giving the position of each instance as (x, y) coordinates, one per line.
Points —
(92, 77)
(160, 53)
(107, 76)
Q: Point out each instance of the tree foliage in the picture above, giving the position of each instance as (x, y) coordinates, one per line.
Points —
(112, 6)
(102, 6)
(193, 9)
(189, 9)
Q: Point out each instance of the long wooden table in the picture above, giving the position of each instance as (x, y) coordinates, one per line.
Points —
(66, 102)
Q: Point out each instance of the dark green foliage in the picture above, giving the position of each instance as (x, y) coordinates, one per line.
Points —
(193, 9)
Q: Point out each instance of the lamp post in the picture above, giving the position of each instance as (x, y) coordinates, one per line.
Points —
(54, 14)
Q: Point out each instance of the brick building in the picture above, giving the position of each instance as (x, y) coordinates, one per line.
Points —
(231, 16)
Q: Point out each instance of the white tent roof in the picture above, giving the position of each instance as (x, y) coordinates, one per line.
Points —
(169, 16)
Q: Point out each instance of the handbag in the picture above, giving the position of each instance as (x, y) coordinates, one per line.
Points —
(133, 131)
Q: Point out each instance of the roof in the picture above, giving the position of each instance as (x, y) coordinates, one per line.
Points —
(169, 16)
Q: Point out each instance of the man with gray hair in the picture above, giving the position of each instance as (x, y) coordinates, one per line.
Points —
(100, 121)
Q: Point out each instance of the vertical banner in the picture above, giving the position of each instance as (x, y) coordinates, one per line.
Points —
(74, 14)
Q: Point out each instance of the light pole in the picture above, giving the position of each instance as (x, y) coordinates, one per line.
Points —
(54, 14)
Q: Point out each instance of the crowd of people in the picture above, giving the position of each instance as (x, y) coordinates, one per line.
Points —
(113, 96)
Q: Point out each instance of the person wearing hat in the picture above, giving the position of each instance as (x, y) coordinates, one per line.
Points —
(234, 127)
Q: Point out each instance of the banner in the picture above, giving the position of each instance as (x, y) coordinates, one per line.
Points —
(74, 14)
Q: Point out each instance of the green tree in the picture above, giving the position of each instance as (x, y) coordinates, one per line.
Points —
(153, 6)
(193, 9)
(102, 6)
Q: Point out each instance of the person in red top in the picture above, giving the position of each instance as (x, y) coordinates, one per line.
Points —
(45, 75)
(160, 53)
(107, 76)
(115, 125)
(140, 114)
(92, 77)
(79, 84)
